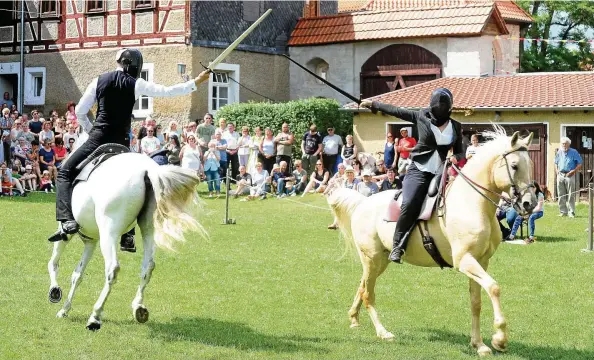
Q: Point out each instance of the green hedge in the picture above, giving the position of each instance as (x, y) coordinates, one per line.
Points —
(299, 114)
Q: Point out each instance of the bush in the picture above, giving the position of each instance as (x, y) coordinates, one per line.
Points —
(299, 114)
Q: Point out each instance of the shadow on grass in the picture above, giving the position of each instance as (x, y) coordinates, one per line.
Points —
(554, 239)
(523, 350)
(38, 197)
(234, 335)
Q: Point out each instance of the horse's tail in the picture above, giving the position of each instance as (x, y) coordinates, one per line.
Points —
(343, 202)
(178, 205)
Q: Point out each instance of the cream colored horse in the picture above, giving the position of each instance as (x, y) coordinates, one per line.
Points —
(466, 236)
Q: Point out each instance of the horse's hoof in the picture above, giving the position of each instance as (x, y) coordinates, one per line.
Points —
(94, 325)
(141, 314)
(355, 325)
(55, 294)
(499, 342)
(484, 351)
(388, 336)
(62, 314)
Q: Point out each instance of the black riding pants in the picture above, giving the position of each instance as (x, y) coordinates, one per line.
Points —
(68, 171)
(414, 190)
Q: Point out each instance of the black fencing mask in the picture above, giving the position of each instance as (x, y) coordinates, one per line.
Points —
(441, 105)
(131, 61)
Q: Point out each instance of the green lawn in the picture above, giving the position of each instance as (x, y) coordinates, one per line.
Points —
(275, 286)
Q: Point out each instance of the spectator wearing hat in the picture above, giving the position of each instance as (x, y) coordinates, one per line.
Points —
(46, 182)
(405, 146)
(367, 187)
(330, 149)
(29, 179)
(567, 162)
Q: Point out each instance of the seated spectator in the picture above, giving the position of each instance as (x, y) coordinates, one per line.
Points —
(260, 183)
(71, 145)
(29, 179)
(380, 171)
(536, 214)
(336, 179)
(297, 183)
(212, 164)
(505, 211)
(27, 134)
(46, 182)
(350, 181)
(391, 182)
(20, 150)
(71, 134)
(279, 179)
(318, 180)
(59, 151)
(6, 185)
(244, 183)
(33, 158)
(47, 159)
(357, 168)
(16, 179)
(150, 143)
(46, 133)
(367, 187)
(17, 132)
(14, 183)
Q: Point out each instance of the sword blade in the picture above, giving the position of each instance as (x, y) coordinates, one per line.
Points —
(233, 45)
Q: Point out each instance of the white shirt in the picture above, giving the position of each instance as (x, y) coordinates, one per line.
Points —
(442, 138)
(142, 87)
(331, 144)
(259, 177)
(232, 139)
(150, 144)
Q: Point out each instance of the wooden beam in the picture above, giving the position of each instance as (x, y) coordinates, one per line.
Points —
(410, 72)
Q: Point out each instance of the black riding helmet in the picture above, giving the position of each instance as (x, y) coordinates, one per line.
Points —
(131, 61)
(441, 104)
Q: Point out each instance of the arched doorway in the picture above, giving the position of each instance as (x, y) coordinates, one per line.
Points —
(398, 66)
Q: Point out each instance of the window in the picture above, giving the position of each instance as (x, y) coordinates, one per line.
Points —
(49, 7)
(143, 4)
(144, 105)
(322, 71)
(35, 86)
(95, 5)
(222, 90)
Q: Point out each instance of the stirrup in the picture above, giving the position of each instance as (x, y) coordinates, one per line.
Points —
(58, 236)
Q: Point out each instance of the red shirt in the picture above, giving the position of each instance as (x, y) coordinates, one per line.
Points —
(408, 142)
(60, 153)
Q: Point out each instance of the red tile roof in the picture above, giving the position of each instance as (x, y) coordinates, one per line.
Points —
(534, 90)
(509, 9)
(393, 24)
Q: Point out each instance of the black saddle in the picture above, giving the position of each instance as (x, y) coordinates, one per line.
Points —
(96, 158)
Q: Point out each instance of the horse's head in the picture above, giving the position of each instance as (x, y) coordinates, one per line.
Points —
(512, 173)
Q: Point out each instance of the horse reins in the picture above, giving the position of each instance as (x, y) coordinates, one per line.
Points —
(474, 185)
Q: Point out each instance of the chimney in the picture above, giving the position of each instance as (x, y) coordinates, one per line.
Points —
(311, 8)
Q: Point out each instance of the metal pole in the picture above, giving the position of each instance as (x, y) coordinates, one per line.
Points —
(22, 72)
(590, 217)
(227, 221)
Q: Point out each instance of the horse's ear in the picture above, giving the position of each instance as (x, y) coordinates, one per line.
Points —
(515, 138)
(528, 140)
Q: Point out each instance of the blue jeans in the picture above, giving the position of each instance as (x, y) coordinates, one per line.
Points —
(531, 220)
(213, 178)
(280, 187)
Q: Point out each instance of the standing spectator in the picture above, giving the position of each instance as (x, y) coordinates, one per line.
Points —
(174, 148)
(222, 126)
(367, 187)
(59, 128)
(17, 132)
(349, 151)
(47, 159)
(284, 146)
(35, 125)
(190, 155)
(6, 120)
(298, 180)
(221, 145)
(205, 132)
(311, 147)
(244, 144)
(405, 146)
(567, 162)
(142, 133)
(267, 151)
(330, 147)
(159, 135)
(391, 182)
(390, 151)
(150, 143)
(7, 100)
(71, 114)
(255, 150)
(46, 133)
(212, 164)
(172, 130)
(473, 147)
(232, 138)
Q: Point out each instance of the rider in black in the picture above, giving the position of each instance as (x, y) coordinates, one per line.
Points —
(438, 133)
(115, 93)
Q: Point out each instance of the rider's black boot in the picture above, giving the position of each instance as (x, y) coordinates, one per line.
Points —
(127, 243)
(67, 227)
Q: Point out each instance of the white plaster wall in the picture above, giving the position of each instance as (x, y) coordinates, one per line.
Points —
(485, 47)
(464, 56)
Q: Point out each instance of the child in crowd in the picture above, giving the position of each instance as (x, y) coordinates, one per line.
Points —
(6, 185)
(46, 182)
(29, 179)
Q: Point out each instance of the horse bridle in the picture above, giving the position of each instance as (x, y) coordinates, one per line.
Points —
(516, 195)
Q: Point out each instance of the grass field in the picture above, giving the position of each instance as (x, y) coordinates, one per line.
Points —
(274, 286)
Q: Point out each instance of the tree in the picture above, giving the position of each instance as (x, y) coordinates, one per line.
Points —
(562, 20)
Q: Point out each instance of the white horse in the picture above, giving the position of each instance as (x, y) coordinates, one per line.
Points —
(126, 190)
(467, 235)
